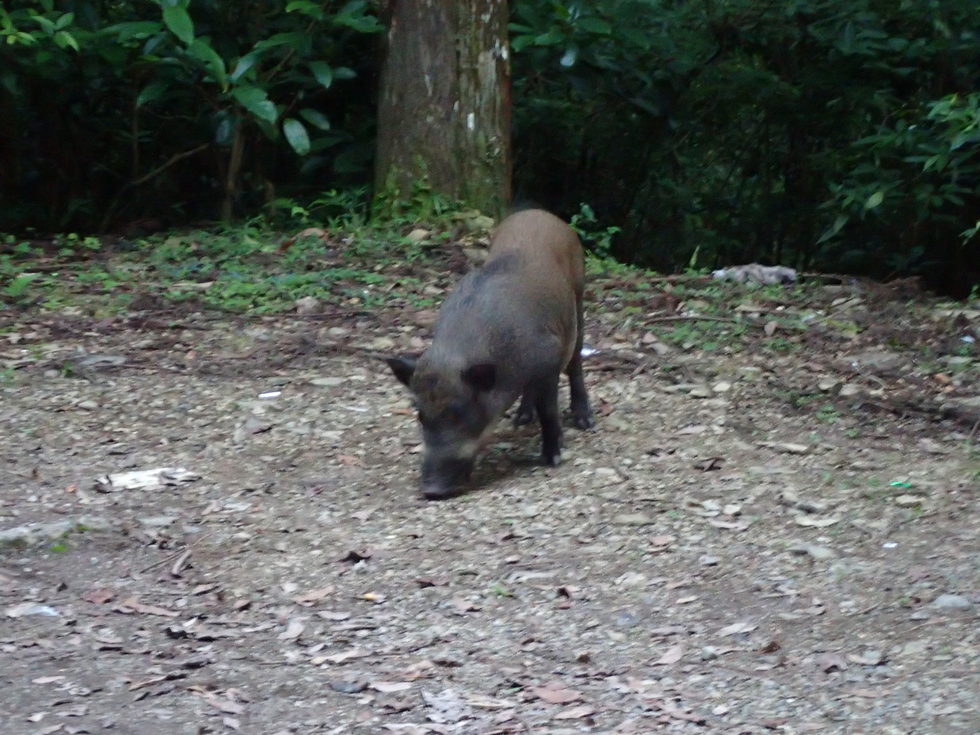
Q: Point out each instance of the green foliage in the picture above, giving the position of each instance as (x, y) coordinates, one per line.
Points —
(597, 240)
(178, 109)
(833, 134)
(916, 181)
(838, 135)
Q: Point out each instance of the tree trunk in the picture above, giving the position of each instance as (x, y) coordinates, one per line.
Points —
(444, 107)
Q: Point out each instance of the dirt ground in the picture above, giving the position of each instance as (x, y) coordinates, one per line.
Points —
(750, 541)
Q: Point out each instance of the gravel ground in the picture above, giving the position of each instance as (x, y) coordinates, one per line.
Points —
(714, 557)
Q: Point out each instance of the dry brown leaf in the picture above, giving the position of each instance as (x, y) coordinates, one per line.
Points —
(308, 598)
(464, 606)
(338, 658)
(672, 655)
(98, 595)
(556, 693)
(136, 606)
(574, 713)
(737, 628)
(831, 662)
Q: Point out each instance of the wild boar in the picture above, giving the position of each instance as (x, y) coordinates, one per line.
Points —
(508, 330)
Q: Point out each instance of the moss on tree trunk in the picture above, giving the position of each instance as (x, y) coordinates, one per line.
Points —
(444, 106)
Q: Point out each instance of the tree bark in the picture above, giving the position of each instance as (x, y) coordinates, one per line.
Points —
(444, 106)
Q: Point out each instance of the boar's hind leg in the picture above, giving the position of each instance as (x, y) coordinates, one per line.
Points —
(581, 411)
(546, 403)
(525, 412)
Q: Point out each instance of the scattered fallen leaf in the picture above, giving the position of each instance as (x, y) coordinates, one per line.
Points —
(671, 656)
(556, 693)
(293, 630)
(308, 598)
(389, 687)
(709, 464)
(868, 658)
(339, 658)
(737, 628)
(831, 662)
(771, 647)
(98, 595)
(446, 706)
(815, 522)
(464, 606)
(334, 615)
(574, 713)
(134, 605)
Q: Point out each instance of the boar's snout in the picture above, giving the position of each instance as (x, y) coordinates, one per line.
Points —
(443, 477)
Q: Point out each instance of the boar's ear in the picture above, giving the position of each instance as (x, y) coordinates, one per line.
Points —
(402, 367)
(481, 377)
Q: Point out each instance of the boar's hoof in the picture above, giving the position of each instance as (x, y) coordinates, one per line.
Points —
(552, 460)
(583, 420)
(437, 492)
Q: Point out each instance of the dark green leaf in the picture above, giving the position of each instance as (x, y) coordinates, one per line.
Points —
(244, 64)
(64, 39)
(212, 61)
(315, 118)
(549, 38)
(135, 29)
(874, 200)
(594, 25)
(322, 73)
(46, 25)
(256, 101)
(151, 92)
(296, 40)
(296, 135)
(313, 10)
(179, 23)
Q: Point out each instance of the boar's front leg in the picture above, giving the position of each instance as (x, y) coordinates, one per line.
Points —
(545, 392)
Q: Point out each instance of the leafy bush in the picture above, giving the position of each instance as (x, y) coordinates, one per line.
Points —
(116, 111)
(744, 130)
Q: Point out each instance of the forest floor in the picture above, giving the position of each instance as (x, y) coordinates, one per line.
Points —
(773, 528)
